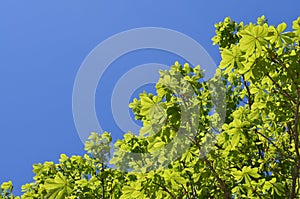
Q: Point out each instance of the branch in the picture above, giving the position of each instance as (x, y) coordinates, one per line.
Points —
(248, 92)
(270, 141)
(165, 189)
(190, 184)
(220, 181)
(281, 89)
(296, 140)
(102, 182)
(275, 58)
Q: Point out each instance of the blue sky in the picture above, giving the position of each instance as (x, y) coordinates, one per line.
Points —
(43, 43)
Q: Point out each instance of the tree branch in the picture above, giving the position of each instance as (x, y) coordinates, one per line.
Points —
(248, 92)
(281, 89)
(296, 140)
(166, 190)
(275, 58)
(220, 181)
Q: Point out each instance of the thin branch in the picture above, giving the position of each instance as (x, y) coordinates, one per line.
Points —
(166, 190)
(296, 140)
(185, 192)
(275, 57)
(270, 141)
(281, 89)
(102, 182)
(248, 92)
(220, 181)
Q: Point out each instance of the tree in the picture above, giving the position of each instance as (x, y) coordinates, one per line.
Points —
(251, 152)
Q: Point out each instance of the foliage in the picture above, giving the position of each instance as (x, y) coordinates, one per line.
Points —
(76, 176)
(254, 154)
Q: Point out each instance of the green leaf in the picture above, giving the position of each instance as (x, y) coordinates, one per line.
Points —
(7, 186)
(57, 187)
(253, 37)
(281, 27)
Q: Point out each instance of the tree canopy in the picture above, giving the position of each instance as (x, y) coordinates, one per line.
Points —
(247, 147)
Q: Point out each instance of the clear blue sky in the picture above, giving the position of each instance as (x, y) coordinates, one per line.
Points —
(43, 43)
